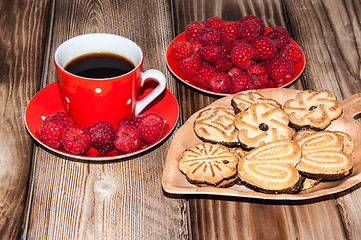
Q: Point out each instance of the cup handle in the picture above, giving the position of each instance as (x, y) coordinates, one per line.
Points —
(157, 76)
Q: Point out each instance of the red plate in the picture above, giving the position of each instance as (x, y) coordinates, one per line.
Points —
(48, 100)
(173, 66)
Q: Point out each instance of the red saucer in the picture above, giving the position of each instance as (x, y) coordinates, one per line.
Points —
(48, 100)
(173, 66)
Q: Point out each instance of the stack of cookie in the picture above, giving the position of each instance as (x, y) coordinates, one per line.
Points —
(267, 146)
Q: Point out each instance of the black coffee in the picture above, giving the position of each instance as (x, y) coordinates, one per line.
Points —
(99, 65)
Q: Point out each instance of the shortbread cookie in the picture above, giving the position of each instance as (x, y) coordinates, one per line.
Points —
(302, 134)
(242, 101)
(271, 168)
(208, 163)
(321, 141)
(347, 142)
(322, 157)
(262, 123)
(313, 110)
(216, 125)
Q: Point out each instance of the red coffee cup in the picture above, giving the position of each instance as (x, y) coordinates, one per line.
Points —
(90, 100)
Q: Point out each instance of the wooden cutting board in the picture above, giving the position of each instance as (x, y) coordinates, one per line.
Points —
(175, 182)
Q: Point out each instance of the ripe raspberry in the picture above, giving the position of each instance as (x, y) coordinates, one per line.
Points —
(230, 31)
(195, 45)
(193, 29)
(181, 49)
(242, 55)
(280, 69)
(259, 74)
(136, 119)
(151, 127)
(232, 43)
(51, 131)
(241, 82)
(76, 140)
(209, 53)
(291, 53)
(254, 19)
(279, 37)
(191, 65)
(215, 23)
(209, 36)
(206, 72)
(62, 116)
(234, 71)
(223, 63)
(127, 138)
(224, 49)
(220, 82)
(124, 121)
(249, 30)
(265, 49)
(102, 136)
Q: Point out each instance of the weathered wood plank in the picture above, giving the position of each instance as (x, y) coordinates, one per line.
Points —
(335, 66)
(111, 200)
(23, 35)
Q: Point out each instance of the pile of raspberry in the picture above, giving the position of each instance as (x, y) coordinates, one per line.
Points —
(58, 130)
(236, 56)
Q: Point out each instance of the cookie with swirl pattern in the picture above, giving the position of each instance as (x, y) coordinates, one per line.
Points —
(312, 110)
(242, 101)
(262, 123)
(323, 157)
(216, 125)
(270, 168)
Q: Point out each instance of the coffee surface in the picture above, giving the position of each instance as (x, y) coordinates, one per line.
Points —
(99, 65)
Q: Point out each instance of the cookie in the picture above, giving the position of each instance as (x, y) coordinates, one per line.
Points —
(209, 164)
(242, 101)
(347, 142)
(323, 157)
(262, 123)
(216, 125)
(271, 168)
(312, 110)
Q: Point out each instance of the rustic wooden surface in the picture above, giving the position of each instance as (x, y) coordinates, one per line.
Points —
(47, 196)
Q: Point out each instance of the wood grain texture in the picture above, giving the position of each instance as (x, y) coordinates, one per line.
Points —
(335, 66)
(23, 35)
(326, 34)
(107, 200)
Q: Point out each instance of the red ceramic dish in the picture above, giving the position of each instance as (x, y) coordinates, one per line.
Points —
(48, 100)
(173, 66)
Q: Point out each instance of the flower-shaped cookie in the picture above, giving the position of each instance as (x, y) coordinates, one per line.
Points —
(313, 110)
(208, 163)
(262, 123)
(242, 101)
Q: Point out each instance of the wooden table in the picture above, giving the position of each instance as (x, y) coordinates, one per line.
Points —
(46, 196)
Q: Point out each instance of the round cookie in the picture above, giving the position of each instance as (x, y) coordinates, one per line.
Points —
(242, 101)
(210, 164)
(216, 125)
(313, 110)
(262, 123)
